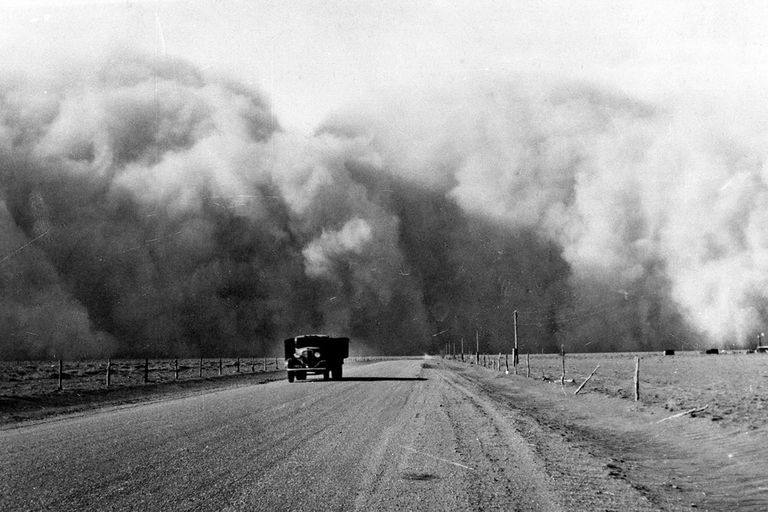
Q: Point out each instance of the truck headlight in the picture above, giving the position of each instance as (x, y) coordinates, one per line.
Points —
(317, 355)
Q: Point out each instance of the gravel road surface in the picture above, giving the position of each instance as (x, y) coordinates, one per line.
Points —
(393, 435)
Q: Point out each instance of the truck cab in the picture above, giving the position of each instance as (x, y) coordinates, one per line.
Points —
(315, 354)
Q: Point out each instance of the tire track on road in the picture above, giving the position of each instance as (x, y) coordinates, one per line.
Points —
(554, 474)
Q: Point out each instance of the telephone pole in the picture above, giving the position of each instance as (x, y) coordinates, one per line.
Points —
(514, 350)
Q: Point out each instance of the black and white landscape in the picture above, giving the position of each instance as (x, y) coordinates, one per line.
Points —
(202, 179)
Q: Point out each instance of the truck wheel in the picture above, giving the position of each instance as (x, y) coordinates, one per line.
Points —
(337, 373)
(326, 375)
(301, 376)
(290, 376)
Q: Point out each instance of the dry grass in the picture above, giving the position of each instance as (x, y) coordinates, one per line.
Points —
(734, 385)
(29, 389)
(36, 378)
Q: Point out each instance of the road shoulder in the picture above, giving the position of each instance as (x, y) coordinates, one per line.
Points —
(677, 464)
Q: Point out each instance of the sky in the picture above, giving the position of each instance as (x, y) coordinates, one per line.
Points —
(313, 57)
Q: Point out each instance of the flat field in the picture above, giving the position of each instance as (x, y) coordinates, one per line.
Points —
(733, 386)
(32, 378)
(30, 389)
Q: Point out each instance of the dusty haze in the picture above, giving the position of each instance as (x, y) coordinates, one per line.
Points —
(151, 208)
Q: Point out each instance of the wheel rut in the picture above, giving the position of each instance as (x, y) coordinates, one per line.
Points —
(531, 467)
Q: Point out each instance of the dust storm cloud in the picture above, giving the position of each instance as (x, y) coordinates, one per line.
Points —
(151, 208)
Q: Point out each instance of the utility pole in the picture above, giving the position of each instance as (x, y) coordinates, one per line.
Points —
(514, 350)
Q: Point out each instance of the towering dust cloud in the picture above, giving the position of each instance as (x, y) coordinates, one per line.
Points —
(151, 209)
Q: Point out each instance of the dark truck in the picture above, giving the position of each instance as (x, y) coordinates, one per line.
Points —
(315, 353)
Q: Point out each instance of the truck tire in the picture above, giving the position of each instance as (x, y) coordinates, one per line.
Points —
(326, 375)
(301, 375)
(337, 373)
(290, 376)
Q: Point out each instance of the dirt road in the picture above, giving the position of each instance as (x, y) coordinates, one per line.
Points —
(394, 435)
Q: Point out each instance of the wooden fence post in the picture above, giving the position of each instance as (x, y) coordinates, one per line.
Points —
(61, 377)
(146, 370)
(176, 369)
(637, 378)
(587, 380)
(265, 363)
(221, 367)
(562, 375)
(528, 363)
(238, 364)
(253, 365)
(109, 373)
(200, 368)
(506, 364)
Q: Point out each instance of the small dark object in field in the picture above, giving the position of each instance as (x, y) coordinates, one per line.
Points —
(410, 475)
(669, 352)
(712, 351)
